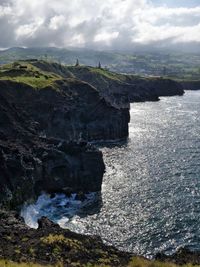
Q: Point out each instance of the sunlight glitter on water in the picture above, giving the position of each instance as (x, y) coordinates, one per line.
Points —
(150, 198)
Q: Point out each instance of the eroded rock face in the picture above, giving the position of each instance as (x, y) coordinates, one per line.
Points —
(124, 89)
(30, 164)
(72, 168)
(25, 173)
(75, 111)
(151, 89)
(165, 87)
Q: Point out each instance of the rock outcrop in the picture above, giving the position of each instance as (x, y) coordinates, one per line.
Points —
(50, 244)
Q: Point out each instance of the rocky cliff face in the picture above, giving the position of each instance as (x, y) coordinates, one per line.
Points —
(74, 112)
(191, 85)
(123, 89)
(119, 89)
(30, 164)
(44, 119)
(46, 111)
(150, 89)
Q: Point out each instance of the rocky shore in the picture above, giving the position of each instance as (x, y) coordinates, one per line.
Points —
(48, 115)
(50, 244)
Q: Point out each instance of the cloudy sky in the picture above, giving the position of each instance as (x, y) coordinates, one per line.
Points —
(118, 24)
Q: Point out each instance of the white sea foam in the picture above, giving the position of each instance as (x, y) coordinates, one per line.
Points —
(59, 209)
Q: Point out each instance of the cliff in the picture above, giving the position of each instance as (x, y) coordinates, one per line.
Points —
(30, 164)
(45, 121)
(123, 89)
(118, 89)
(48, 112)
(65, 108)
(191, 85)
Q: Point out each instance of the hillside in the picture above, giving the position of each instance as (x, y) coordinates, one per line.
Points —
(176, 65)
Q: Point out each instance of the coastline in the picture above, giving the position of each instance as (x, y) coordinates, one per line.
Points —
(54, 148)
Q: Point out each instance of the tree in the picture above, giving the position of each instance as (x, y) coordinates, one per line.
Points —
(99, 66)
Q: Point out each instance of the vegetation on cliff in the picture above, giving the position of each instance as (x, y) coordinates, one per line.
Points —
(41, 74)
(24, 72)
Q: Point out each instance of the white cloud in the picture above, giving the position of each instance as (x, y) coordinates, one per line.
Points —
(106, 37)
(111, 23)
(57, 22)
(28, 30)
(5, 10)
(162, 23)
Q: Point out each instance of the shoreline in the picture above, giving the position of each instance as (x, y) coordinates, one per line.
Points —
(54, 164)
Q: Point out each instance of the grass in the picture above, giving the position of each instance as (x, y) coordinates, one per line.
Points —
(51, 239)
(27, 73)
(108, 74)
(140, 262)
(60, 239)
(99, 71)
(136, 262)
(24, 72)
(5, 263)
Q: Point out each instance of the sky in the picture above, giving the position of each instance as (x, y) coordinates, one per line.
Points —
(100, 24)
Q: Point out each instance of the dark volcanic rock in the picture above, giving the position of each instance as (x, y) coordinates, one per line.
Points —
(45, 223)
(77, 169)
(30, 164)
(152, 88)
(123, 89)
(191, 85)
(75, 111)
(24, 173)
(165, 87)
(50, 244)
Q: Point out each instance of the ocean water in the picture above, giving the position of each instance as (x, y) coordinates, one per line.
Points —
(150, 200)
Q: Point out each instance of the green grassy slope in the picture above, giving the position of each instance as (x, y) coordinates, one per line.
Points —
(25, 72)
